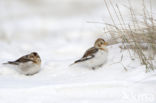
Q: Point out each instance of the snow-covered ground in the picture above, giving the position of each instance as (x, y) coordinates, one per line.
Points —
(61, 36)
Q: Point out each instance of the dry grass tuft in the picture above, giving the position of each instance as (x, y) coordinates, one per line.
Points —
(138, 36)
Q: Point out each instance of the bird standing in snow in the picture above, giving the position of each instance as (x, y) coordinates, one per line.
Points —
(96, 56)
(28, 64)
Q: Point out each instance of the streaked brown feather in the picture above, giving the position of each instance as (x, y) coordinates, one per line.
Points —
(90, 52)
(23, 60)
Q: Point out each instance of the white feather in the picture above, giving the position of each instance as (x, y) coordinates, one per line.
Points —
(99, 59)
(29, 68)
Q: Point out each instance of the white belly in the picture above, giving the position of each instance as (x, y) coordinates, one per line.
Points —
(29, 68)
(99, 59)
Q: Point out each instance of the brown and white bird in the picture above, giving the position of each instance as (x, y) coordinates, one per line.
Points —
(28, 64)
(96, 56)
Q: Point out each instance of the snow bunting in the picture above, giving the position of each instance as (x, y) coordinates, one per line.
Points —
(96, 56)
(28, 64)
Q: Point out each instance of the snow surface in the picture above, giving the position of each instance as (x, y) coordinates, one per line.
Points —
(60, 42)
(57, 82)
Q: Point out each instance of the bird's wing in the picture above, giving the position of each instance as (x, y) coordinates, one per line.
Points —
(89, 54)
(20, 60)
(23, 59)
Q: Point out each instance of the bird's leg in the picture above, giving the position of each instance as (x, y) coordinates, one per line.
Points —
(100, 65)
(93, 68)
(28, 74)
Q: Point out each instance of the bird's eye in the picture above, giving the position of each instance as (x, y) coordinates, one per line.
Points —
(35, 54)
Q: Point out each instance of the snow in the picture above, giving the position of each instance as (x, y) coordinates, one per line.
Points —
(60, 42)
(57, 82)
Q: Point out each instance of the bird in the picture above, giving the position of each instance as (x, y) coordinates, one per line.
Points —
(29, 64)
(95, 56)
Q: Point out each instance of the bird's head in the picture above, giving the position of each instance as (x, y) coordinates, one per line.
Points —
(35, 57)
(100, 43)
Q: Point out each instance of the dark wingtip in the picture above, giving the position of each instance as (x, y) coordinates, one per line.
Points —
(5, 63)
(10, 62)
(77, 61)
(74, 62)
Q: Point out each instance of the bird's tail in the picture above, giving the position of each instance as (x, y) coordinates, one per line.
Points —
(11, 62)
(72, 64)
(80, 60)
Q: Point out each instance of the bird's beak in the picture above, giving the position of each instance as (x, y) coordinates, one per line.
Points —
(106, 43)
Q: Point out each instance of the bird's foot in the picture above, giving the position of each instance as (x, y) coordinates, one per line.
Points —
(93, 68)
